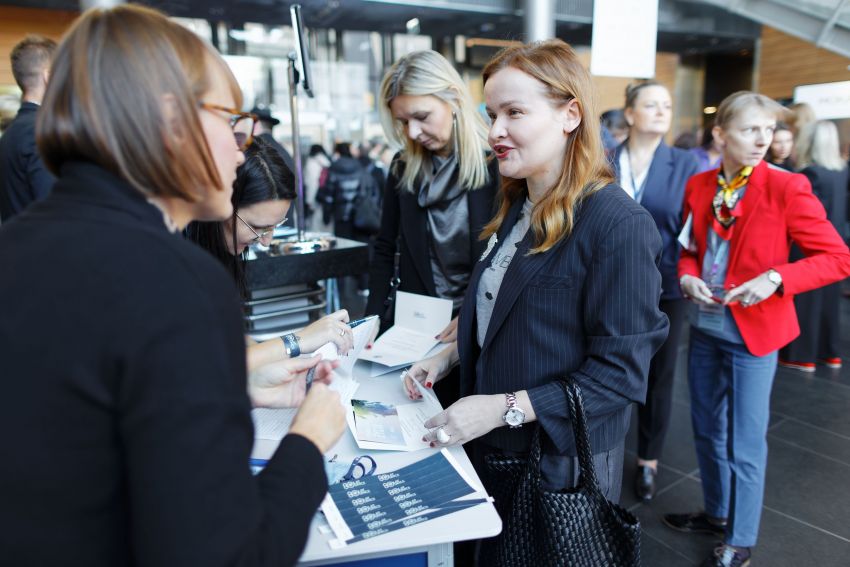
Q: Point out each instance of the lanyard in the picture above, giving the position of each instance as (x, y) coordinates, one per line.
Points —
(718, 254)
(637, 190)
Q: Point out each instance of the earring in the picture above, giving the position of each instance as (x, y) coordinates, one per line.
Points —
(455, 141)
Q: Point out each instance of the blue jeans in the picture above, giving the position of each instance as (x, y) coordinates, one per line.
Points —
(730, 410)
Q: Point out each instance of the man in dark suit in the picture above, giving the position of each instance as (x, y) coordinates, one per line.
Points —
(23, 176)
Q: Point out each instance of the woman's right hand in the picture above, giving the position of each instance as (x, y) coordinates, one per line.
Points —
(430, 370)
(321, 418)
(331, 328)
(696, 290)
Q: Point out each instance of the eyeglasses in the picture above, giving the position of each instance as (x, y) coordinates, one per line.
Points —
(242, 123)
(263, 232)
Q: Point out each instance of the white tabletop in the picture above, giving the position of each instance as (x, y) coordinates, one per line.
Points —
(477, 522)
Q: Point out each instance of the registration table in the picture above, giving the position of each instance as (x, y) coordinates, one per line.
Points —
(428, 543)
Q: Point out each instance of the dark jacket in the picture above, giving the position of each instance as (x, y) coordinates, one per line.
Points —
(23, 177)
(127, 428)
(830, 187)
(663, 196)
(402, 216)
(345, 176)
(586, 309)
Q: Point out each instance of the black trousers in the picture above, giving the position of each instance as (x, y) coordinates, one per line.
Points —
(819, 314)
(654, 415)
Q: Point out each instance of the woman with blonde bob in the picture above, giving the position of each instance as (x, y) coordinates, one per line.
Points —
(741, 219)
(440, 189)
(567, 288)
(133, 431)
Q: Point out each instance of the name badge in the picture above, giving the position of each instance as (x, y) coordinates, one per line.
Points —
(712, 317)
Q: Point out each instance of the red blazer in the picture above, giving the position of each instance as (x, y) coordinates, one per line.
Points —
(778, 208)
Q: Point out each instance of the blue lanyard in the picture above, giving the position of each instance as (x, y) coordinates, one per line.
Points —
(718, 254)
(637, 190)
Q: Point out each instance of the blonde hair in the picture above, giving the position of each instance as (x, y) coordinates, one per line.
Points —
(104, 101)
(818, 145)
(423, 73)
(801, 114)
(736, 103)
(585, 169)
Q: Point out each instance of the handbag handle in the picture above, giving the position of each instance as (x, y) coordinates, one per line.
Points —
(587, 473)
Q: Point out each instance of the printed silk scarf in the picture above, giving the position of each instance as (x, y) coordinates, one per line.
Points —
(726, 205)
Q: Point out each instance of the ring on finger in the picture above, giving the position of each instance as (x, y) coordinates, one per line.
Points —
(442, 436)
(342, 332)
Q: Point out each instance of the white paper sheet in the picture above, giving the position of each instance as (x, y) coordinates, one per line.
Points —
(412, 417)
(418, 319)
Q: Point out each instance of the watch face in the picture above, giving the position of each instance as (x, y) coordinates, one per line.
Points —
(514, 417)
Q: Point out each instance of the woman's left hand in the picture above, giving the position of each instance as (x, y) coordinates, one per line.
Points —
(449, 334)
(331, 328)
(283, 384)
(466, 419)
(749, 293)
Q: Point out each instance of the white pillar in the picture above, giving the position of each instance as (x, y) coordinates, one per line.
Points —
(539, 19)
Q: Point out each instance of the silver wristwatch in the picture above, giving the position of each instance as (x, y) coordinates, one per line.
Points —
(774, 277)
(513, 416)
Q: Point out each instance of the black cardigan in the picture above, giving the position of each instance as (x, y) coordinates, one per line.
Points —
(403, 216)
(125, 418)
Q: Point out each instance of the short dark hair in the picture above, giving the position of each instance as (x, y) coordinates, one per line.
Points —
(30, 57)
(343, 149)
(263, 177)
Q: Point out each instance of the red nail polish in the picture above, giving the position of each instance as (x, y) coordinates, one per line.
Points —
(428, 384)
(437, 337)
(368, 347)
(432, 444)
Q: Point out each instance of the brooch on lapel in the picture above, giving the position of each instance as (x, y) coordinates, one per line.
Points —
(490, 245)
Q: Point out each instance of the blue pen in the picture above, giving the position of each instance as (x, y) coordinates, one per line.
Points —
(357, 322)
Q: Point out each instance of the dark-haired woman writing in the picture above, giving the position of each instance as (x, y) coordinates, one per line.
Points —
(262, 196)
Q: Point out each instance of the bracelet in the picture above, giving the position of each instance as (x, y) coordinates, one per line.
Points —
(290, 343)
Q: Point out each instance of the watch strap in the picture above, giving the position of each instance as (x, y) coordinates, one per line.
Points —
(290, 343)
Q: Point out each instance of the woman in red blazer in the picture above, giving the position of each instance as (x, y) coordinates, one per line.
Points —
(740, 220)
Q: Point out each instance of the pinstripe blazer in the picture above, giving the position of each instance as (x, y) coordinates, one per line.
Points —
(586, 308)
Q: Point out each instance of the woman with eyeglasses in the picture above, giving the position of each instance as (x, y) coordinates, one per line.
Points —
(262, 195)
(128, 440)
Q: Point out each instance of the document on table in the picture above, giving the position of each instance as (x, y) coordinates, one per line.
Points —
(374, 505)
(418, 319)
(379, 426)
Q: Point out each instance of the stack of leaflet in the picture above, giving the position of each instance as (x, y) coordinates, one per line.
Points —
(375, 505)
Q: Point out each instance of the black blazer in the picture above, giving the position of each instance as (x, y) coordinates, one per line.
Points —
(663, 198)
(587, 308)
(126, 424)
(830, 187)
(403, 216)
(23, 177)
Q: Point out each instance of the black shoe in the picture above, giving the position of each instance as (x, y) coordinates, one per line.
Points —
(728, 556)
(697, 523)
(645, 483)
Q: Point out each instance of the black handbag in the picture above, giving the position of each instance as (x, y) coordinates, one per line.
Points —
(577, 527)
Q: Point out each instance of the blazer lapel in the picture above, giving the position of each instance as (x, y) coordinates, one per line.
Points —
(660, 171)
(749, 204)
(521, 270)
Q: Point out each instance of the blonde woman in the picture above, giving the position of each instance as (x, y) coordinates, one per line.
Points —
(440, 189)
(820, 340)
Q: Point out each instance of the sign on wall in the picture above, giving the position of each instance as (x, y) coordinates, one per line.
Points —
(830, 101)
(624, 38)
